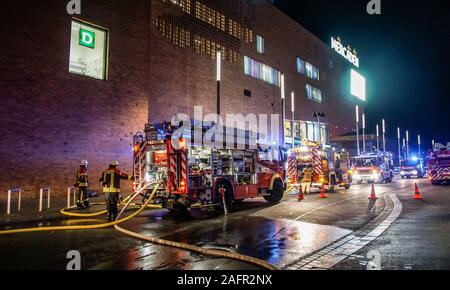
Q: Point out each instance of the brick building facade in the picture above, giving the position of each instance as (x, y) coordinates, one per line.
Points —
(160, 61)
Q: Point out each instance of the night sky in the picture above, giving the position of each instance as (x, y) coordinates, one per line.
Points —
(404, 55)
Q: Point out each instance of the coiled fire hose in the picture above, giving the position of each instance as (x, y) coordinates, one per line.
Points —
(87, 227)
(183, 246)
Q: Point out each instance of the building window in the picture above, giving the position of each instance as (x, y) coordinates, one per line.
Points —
(181, 36)
(307, 69)
(314, 132)
(313, 94)
(261, 72)
(88, 50)
(234, 28)
(248, 35)
(260, 44)
(185, 5)
(209, 15)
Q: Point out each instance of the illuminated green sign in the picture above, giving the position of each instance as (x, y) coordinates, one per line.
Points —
(87, 38)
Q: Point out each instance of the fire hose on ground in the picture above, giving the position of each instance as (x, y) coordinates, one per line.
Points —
(154, 240)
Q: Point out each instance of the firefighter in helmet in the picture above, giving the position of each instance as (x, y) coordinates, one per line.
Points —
(110, 180)
(82, 183)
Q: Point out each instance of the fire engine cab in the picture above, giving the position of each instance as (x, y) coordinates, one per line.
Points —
(373, 168)
(196, 175)
(329, 168)
(439, 164)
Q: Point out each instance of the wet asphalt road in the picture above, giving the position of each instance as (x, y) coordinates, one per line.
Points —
(281, 234)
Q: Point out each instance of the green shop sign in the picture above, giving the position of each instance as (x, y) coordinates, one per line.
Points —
(87, 38)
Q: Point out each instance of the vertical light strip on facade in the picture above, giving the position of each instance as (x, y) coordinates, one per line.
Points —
(260, 44)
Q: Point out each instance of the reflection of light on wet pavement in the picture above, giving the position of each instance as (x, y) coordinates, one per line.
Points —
(337, 252)
(302, 239)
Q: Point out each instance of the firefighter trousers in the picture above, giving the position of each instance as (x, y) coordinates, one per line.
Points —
(83, 198)
(112, 199)
(306, 187)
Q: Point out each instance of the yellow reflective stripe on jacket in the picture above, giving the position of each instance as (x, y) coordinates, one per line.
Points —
(111, 188)
(82, 184)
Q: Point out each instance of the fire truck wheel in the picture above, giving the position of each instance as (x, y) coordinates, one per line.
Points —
(277, 192)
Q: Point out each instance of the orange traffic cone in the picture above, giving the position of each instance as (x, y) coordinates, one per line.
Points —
(417, 194)
(322, 192)
(300, 194)
(373, 195)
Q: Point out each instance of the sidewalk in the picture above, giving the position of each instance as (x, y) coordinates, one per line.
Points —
(30, 211)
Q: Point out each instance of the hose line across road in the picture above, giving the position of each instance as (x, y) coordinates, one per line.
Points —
(154, 240)
(85, 227)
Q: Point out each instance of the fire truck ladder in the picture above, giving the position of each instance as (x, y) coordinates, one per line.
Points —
(140, 160)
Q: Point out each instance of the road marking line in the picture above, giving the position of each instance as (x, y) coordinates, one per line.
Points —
(347, 246)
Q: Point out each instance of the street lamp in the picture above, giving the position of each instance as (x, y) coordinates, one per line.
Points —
(378, 138)
(384, 135)
(399, 146)
(293, 118)
(419, 143)
(364, 131)
(319, 115)
(283, 109)
(218, 78)
(407, 144)
(357, 130)
(404, 148)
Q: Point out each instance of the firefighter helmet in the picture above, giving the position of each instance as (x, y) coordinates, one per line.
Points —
(114, 163)
(84, 163)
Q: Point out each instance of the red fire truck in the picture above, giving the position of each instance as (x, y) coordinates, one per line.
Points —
(204, 176)
(439, 165)
(373, 168)
(329, 168)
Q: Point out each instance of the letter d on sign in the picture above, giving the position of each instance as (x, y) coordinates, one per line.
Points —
(75, 261)
(374, 7)
(74, 7)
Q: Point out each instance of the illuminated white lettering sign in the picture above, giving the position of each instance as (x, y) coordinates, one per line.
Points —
(346, 52)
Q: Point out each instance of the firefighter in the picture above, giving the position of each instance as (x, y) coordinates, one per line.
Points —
(82, 183)
(307, 179)
(110, 180)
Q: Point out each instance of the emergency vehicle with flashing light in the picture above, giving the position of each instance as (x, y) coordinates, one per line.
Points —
(439, 164)
(195, 175)
(373, 168)
(329, 168)
(412, 167)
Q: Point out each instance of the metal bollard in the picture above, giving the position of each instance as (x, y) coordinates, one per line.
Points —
(41, 196)
(69, 192)
(19, 203)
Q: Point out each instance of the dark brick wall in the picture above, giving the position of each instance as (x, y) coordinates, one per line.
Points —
(181, 79)
(51, 119)
(285, 40)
